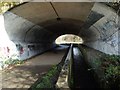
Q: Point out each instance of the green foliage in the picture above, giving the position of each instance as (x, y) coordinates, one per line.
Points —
(4, 6)
(112, 71)
(107, 68)
(46, 81)
(96, 63)
(111, 67)
(13, 62)
(71, 82)
(50, 78)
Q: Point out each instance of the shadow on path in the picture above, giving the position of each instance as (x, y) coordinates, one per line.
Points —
(26, 74)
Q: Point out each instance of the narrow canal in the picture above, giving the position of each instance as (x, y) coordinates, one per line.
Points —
(82, 77)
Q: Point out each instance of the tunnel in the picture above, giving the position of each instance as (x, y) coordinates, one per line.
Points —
(35, 26)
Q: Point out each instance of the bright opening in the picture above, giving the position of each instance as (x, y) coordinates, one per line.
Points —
(69, 39)
(7, 47)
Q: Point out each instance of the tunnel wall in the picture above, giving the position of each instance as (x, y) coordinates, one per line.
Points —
(23, 24)
(22, 30)
(107, 31)
(102, 36)
(30, 50)
(30, 39)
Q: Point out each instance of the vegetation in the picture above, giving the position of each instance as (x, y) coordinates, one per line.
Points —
(48, 80)
(111, 67)
(68, 39)
(107, 68)
(4, 6)
(11, 62)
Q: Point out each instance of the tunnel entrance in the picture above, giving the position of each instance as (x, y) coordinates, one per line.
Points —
(69, 39)
(38, 24)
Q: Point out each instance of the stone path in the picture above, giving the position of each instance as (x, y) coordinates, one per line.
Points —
(25, 75)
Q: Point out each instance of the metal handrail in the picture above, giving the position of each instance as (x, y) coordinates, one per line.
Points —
(70, 69)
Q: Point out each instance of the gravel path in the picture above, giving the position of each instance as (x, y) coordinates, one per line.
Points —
(25, 75)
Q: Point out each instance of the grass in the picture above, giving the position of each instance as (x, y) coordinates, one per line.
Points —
(48, 80)
(111, 67)
(6, 63)
(13, 62)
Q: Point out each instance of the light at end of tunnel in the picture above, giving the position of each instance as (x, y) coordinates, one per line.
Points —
(69, 39)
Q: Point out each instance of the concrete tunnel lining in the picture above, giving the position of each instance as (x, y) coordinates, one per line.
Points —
(37, 22)
(46, 14)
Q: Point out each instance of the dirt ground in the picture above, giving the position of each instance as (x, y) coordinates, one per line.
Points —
(25, 75)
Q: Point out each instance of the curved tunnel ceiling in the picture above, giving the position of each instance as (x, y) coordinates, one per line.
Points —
(35, 22)
(43, 22)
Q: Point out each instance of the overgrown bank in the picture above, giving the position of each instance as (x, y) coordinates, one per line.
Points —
(111, 68)
(105, 68)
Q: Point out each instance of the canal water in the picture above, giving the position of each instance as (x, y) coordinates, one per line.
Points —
(82, 77)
